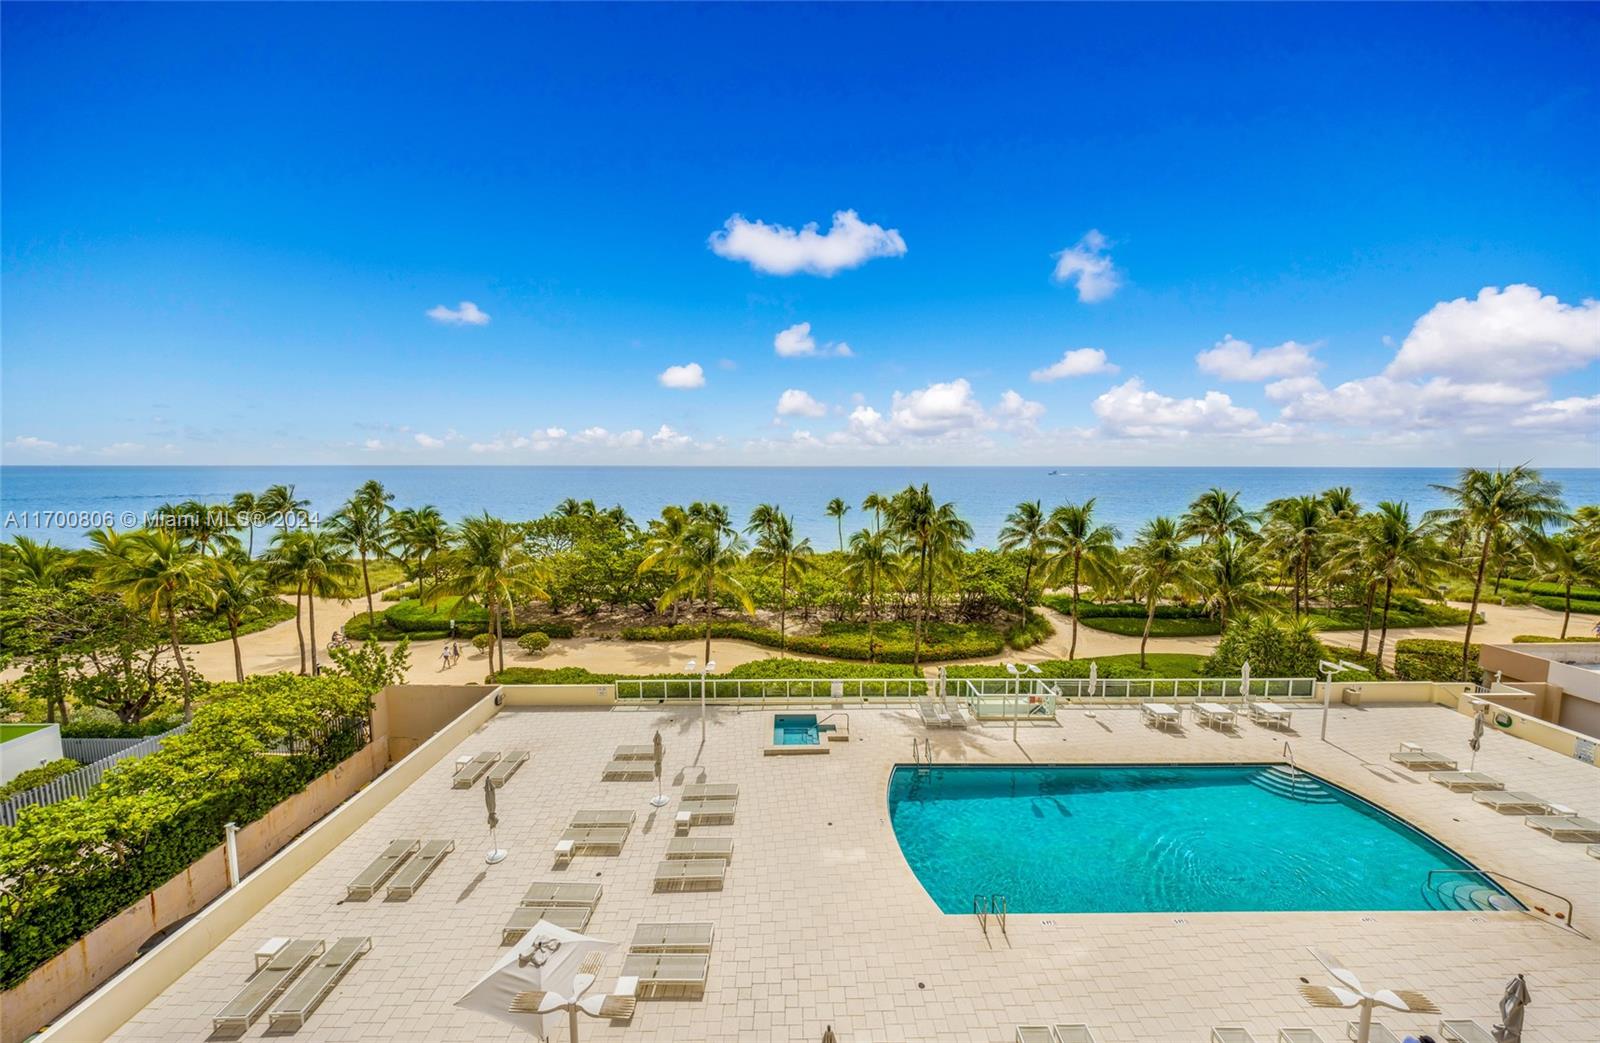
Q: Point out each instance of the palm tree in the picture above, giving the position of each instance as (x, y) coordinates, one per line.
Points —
(490, 567)
(418, 532)
(1230, 578)
(28, 562)
(361, 524)
(234, 590)
(280, 500)
(702, 557)
(1214, 514)
(776, 545)
(158, 573)
(1296, 530)
(244, 507)
(879, 505)
(1488, 504)
(1565, 560)
(374, 497)
(1158, 564)
(319, 564)
(1340, 502)
(837, 509)
(1079, 550)
(204, 524)
(871, 563)
(1024, 529)
(1400, 553)
(935, 534)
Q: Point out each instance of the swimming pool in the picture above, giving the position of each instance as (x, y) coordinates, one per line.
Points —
(794, 729)
(1165, 838)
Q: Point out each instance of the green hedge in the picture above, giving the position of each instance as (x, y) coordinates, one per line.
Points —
(70, 866)
(680, 686)
(1159, 627)
(1121, 609)
(195, 631)
(1540, 639)
(102, 729)
(1579, 594)
(44, 773)
(893, 641)
(1158, 665)
(1029, 631)
(411, 618)
(1431, 659)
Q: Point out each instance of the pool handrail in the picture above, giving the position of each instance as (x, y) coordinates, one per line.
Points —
(1494, 876)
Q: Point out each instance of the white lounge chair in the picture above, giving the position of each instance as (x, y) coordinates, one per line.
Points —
(1162, 715)
(1299, 1036)
(953, 712)
(1035, 1034)
(525, 918)
(550, 892)
(404, 884)
(607, 840)
(1422, 760)
(264, 986)
(1268, 714)
(691, 874)
(646, 752)
(1075, 1034)
(367, 882)
(700, 847)
(312, 987)
(629, 771)
(1465, 1030)
(665, 972)
(1511, 802)
(709, 812)
(711, 791)
(1214, 715)
(1231, 1034)
(1379, 1032)
(673, 938)
(1573, 828)
(932, 716)
(468, 774)
(592, 818)
(1465, 781)
(506, 767)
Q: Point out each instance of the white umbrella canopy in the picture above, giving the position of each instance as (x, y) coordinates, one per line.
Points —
(1244, 681)
(517, 972)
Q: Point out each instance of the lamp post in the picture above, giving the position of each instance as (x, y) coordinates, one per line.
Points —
(1016, 670)
(1329, 669)
(711, 664)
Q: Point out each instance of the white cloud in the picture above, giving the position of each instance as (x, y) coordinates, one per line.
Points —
(683, 377)
(464, 314)
(794, 402)
(599, 436)
(1077, 362)
(1577, 415)
(797, 342)
(1090, 265)
(30, 442)
(555, 433)
(778, 250)
(126, 449)
(1518, 334)
(372, 445)
(1290, 388)
(427, 441)
(938, 409)
(1018, 412)
(867, 425)
(1381, 401)
(666, 438)
(1232, 359)
(1132, 410)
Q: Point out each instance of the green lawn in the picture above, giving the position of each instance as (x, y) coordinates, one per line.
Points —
(16, 731)
(1159, 627)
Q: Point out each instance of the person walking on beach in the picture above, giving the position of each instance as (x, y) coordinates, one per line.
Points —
(444, 658)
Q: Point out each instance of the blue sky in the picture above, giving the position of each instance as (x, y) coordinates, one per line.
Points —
(1265, 234)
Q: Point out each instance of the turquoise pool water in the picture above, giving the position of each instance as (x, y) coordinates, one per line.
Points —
(1165, 838)
(794, 729)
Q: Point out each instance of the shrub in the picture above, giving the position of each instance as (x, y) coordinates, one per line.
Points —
(103, 729)
(1164, 664)
(1121, 609)
(1029, 631)
(44, 773)
(1432, 659)
(69, 866)
(1272, 645)
(482, 642)
(1540, 639)
(893, 641)
(534, 642)
(199, 631)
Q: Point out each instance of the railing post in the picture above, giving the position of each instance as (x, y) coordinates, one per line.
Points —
(231, 833)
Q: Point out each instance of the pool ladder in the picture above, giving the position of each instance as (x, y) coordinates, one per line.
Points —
(922, 753)
(986, 906)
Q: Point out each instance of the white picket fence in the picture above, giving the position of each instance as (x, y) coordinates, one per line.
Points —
(80, 782)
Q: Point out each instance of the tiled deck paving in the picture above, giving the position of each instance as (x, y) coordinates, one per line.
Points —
(823, 923)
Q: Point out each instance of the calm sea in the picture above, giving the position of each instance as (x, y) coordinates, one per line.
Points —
(58, 503)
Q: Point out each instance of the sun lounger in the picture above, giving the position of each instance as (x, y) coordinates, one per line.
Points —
(1299, 1036)
(1270, 715)
(312, 987)
(1075, 1034)
(1593, 850)
(646, 752)
(1215, 715)
(629, 771)
(1035, 1034)
(711, 791)
(1466, 781)
(507, 766)
(672, 938)
(421, 866)
(550, 892)
(264, 986)
(932, 716)
(591, 818)
(691, 874)
(709, 812)
(700, 847)
(468, 774)
(1231, 1034)
(1380, 1032)
(1162, 715)
(662, 973)
(1566, 827)
(525, 917)
(1422, 760)
(602, 840)
(621, 999)
(367, 882)
(953, 711)
(1465, 1030)
(1510, 802)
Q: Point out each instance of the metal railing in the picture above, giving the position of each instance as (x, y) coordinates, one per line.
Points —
(781, 691)
(87, 751)
(80, 782)
(922, 752)
(987, 906)
(1495, 876)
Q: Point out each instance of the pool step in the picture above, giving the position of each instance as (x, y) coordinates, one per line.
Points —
(1281, 782)
(1470, 895)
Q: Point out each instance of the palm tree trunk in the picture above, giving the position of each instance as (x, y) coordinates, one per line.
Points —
(299, 634)
(1566, 616)
(1149, 618)
(251, 553)
(783, 610)
(367, 583)
(1072, 649)
(1027, 581)
(1366, 620)
(183, 668)
(238, 660)
(311, 625)
(1472, 612)
(922, 610)
(841, 533)
(499, 639)
(872, 615)
(1383, 626)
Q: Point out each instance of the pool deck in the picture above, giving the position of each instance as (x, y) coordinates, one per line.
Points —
(822, 923)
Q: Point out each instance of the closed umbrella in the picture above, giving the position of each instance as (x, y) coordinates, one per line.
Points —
(496, 852)
(1512, 1007)
(828, 1037)
(659, 753)
(1477, 737)
(1244, 682)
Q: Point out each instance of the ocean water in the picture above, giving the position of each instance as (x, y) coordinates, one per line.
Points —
(1163, 838)
(60, 503)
